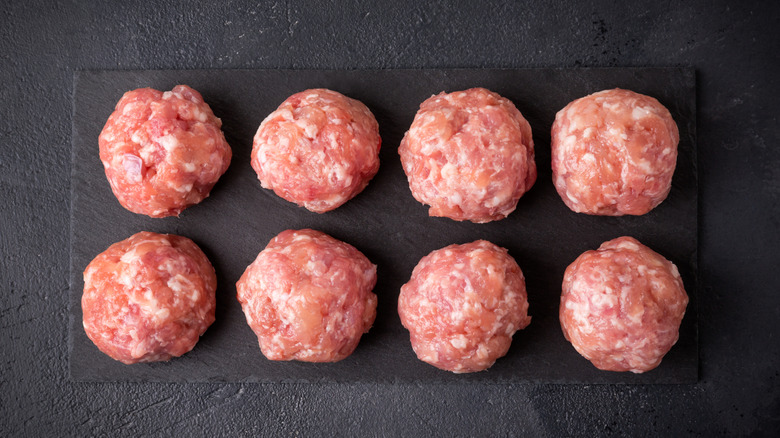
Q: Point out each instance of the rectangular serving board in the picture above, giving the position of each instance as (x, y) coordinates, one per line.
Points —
(384, 222)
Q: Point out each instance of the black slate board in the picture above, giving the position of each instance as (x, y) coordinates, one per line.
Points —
(384, 222)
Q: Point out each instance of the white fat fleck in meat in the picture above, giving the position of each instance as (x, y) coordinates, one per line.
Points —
(316, 267)
(589, 158)
(675, 272)
(575, 124)
(130, 256)
(284, 143)
(339, 174)
(610, 106)
(641, 112)
(180, 284)
(131, 108)
(456, 198)
(183, 188)
(427, 147)
(449, 170)
(152, 307)
(509, 330)
(460, 342)
(170, 266)
(628, 245)
(588, 132)
(646, 166)
(495, 201)
(168, 142)
(468, 287)
(127, 277)
(570, 141)
(146, 152)
(310, 130)
(284, 114)
(572, 194)
(616, 134)
(603, 300)
(135, 137)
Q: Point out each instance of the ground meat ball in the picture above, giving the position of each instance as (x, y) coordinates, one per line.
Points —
(469, 155)
(163, 152)
(148, 298)
(307, 296)
(462, 306)
(318, 149)
(622, 306)
(614, 153)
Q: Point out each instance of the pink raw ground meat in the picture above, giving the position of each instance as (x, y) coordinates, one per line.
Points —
(307, 296)
(622, 306)
(469, 155)
(614, 153)
(462, 306)
(318, 149)
(163, 152)
(148, 298)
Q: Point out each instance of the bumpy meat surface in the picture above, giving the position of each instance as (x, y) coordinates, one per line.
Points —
(469, 155)
(462, 306)
(163, 152)
(318, 149)
(148, 298)
(308, 297)
(622, 306)
(614, 153)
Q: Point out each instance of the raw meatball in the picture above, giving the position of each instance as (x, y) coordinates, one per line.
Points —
(308, 297)
(614, 153)
(318, 149)
(163, 152)
(148, 298)
(469, 155)
(462, 306)
(622, 306)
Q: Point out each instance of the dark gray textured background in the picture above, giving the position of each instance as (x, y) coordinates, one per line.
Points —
(734, 49)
